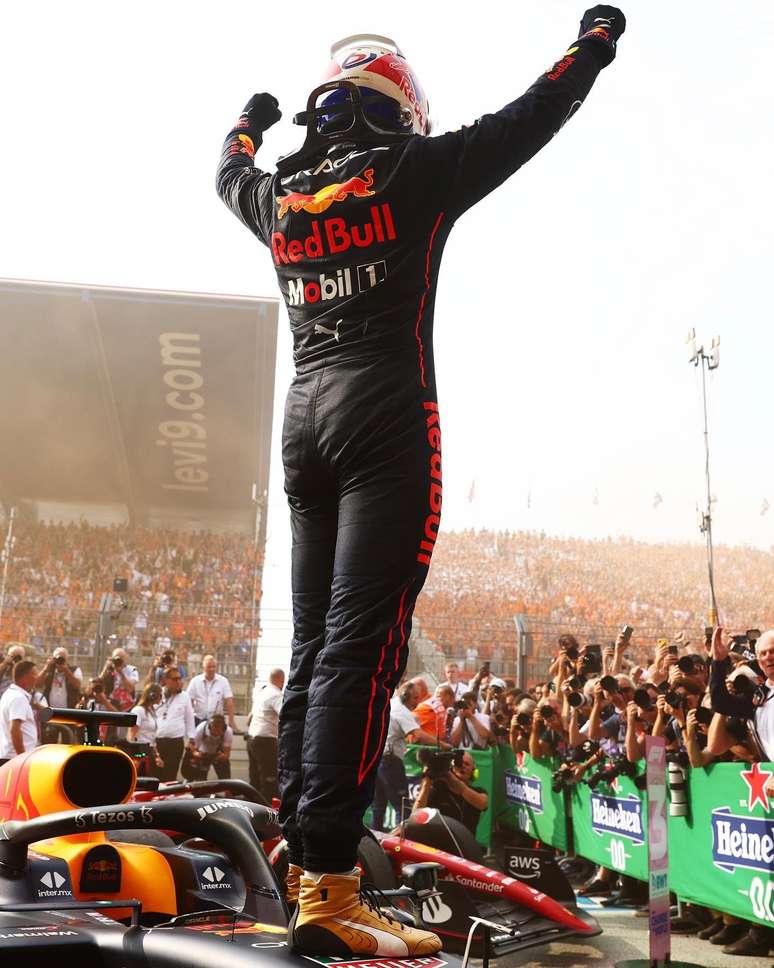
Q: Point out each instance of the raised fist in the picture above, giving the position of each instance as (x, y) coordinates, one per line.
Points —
(260, 113)
(605, 20)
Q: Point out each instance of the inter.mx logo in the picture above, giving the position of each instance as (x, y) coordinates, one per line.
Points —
(326, 287)
(214, 877)
(53, 880)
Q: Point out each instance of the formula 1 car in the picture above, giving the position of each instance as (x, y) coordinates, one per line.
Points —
(474, 909)
(69, 891)
(520, 915)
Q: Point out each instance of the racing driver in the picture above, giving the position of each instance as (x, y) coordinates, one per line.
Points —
(356, 222)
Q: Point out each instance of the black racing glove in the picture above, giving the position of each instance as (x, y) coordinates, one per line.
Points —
(260, 113)
(603, 25)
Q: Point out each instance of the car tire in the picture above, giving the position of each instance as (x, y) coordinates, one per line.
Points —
(446, 834)
(377, 869)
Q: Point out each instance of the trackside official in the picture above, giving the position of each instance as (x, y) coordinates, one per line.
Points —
(174, 724)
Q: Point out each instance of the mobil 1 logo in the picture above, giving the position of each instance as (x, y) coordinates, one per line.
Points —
(371, 275)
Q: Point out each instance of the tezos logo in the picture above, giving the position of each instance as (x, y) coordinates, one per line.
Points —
(524, 790)
(106, 818)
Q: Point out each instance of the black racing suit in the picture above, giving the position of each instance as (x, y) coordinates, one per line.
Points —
(356, 240)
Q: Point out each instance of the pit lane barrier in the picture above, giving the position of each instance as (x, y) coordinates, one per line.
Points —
(721, 853)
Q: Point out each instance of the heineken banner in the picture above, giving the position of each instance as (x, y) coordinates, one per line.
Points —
(610, 825)
(722, 852)
(539, 812)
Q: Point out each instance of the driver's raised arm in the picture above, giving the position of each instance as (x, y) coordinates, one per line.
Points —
(242, 186)
(498, 144)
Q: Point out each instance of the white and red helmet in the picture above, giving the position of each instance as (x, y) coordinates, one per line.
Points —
(377, 67)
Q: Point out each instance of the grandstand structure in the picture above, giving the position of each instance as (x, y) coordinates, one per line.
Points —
(135, 445)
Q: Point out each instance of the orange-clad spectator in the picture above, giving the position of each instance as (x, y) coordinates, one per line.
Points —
(431, 714)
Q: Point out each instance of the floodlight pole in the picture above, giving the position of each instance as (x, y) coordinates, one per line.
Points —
(10, 541)
(259, 503)
(707, 361)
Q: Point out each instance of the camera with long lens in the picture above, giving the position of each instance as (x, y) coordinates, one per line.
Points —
(460, 704)
(617, 766)
(704, 716)
(677, 764)
(524, 720)
(675, 699)
(643, 699)
(689, 665)
(592, 660)
(575, 699)
(437, 762)
(563, 779)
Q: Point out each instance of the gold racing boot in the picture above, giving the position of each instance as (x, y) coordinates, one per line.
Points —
(293, 885)
(335, 917)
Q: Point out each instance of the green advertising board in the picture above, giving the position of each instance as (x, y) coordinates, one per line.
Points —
(610, 826)
(721, 854)
(533, 808)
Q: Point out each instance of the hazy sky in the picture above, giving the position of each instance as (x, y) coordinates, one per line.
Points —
(564, 297)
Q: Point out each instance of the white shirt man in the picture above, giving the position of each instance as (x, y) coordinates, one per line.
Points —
(263, 724)
(264, 715)
(452, 672)
(18, 727)
(175, 723)
(211, 693)
(471, 730)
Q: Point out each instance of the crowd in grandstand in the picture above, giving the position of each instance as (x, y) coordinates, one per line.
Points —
(479, 580)
(192, 588)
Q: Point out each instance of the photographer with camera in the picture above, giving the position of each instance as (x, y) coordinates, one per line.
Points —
(751, 704)
(14, 654)
(470, 729)
(521, 725)
(640, 716)
(450, 790)
(548, 736)
(210, 746)
(124, 678)
(59, 683)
